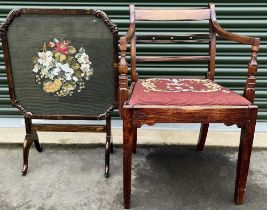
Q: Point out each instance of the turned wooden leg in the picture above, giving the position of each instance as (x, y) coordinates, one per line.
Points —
(127, 157)
(202, 136)
(245, 148)
(26, 147)
(134, 139)
(107, 146)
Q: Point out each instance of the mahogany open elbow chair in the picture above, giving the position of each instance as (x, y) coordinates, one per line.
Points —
(184, 100)
(61, 65)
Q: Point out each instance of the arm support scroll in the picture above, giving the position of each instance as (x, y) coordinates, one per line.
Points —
(249, 91)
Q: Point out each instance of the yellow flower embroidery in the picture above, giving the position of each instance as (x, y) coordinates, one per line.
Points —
(51, 87)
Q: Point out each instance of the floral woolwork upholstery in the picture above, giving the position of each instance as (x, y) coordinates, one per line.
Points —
(182, 92)
(182, 98)
(61, 65)
(59, 68)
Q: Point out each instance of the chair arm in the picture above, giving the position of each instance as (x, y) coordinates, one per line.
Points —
(123, 66)
(231, 36)
(249, 91)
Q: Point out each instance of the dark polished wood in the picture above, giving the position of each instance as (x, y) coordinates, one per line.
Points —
(69, 128)
(170, 58)
(107, 146)
(202, 136)
(134, 139)
(134, 116)
(171, 14)
(31, 129)
(127, 155)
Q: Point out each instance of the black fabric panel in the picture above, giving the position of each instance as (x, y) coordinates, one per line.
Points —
(27, 34)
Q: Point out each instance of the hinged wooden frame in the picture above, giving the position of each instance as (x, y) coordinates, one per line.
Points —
(99, 14)
(31, 129)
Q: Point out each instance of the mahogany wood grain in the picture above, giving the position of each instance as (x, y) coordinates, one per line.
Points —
(171, 14)
(170, 58)
(123, 91)
(172, 41)
(134, 75)
(134, 139)
(169, 38)
(212, 46)
(202, 136)
(69, 128)
(174, 36)
(127, 155)
(244, 154)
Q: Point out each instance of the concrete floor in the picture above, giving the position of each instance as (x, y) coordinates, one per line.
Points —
(164, 177)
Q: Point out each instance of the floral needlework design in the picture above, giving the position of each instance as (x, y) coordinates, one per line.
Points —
(181, 85)
(60, 68)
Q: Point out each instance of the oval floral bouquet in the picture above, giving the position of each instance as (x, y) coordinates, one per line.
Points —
(60, 69)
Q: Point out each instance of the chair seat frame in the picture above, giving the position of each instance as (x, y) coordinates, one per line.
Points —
(134, 116)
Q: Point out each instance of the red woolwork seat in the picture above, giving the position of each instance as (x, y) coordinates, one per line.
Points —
(183, 92)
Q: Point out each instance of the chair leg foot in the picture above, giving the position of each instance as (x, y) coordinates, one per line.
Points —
(127, 205)
(106, 173)
(128, 131)
(239, 196)
(26, 147)
(202, 136)
(244, 154)
(24, 169)
(127, 159)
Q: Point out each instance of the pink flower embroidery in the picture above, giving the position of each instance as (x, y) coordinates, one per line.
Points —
(62, 47)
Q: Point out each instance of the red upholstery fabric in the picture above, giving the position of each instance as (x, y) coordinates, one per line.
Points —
(181, 92)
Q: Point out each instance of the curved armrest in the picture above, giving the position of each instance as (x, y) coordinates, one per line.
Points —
(231, 36)
(249, 91)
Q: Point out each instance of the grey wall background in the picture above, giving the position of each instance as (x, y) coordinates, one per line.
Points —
(243, 17)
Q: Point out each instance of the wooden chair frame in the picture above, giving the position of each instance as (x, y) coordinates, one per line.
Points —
(31, 129)
(134, 116)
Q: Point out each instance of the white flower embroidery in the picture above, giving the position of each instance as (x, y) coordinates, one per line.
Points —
(45, 58)
(87, 71)
(44, 72)
(36, 68)
(83, 59)
(62, 69)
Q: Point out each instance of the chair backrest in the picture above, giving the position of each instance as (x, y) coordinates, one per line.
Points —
(186, 20)
(61, 62)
